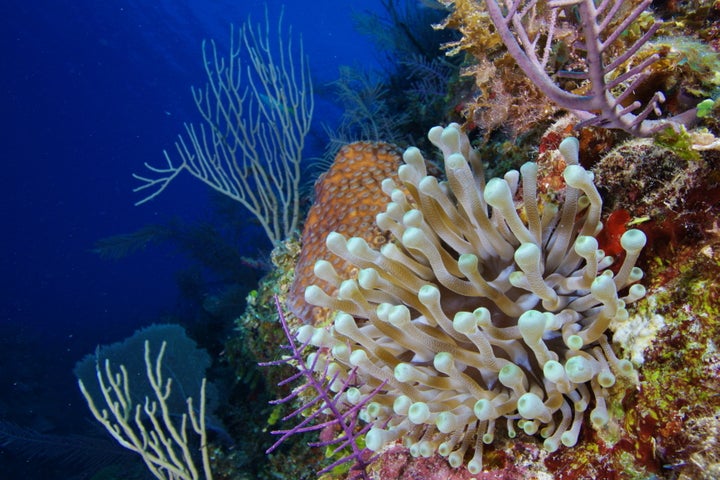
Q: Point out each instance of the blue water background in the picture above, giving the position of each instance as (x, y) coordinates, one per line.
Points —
(90, 91)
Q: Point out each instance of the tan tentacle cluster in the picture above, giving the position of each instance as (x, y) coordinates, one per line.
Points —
(481, 309)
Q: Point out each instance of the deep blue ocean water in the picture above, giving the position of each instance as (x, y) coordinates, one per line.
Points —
(90, 91)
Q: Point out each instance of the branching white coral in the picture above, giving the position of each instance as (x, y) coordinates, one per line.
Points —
(482, 310)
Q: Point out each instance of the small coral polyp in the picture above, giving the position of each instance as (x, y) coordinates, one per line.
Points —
(482, 311)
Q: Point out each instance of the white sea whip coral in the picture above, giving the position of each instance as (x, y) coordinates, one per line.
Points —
(479, 311)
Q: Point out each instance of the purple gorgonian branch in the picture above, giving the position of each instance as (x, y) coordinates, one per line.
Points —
(324, 405)
(517, 23)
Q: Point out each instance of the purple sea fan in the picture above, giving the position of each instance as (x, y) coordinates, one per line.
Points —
(611, 76)
(328, 402)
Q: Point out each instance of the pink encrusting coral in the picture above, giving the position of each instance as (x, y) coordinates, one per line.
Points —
(487, 311)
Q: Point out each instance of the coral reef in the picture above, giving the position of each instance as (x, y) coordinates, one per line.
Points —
(472, 318)
(666, 426)
(658, 420)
